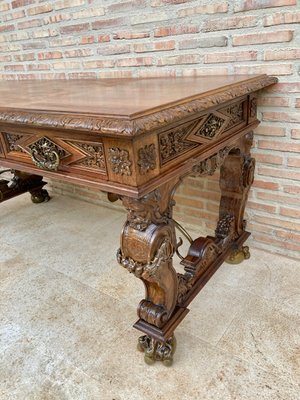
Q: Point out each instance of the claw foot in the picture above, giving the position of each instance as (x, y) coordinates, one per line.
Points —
(238, 255)
(40, 196)
(157, 351)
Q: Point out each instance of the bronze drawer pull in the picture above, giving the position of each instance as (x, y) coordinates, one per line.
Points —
(45, 157)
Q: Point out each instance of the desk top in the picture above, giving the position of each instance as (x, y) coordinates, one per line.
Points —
(118, 106)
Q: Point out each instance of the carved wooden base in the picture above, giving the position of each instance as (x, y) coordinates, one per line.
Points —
(22, 183)
(148, 244)
(157, 351)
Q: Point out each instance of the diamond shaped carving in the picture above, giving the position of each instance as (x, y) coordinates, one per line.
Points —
(92, 155)
(43, 143)
(209, 128)
(12, 142)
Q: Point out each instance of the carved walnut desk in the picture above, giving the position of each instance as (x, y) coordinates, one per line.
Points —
(136, 139)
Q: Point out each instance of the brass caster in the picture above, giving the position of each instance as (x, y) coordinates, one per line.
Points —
(238, 256)
(40, 196)
(157, 351)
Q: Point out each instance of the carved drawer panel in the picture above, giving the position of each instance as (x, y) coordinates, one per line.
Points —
(54, 153)
(202, 131)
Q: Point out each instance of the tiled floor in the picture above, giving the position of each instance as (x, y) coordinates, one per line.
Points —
(66, 310)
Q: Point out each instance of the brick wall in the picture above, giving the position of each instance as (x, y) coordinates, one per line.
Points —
(69, 39)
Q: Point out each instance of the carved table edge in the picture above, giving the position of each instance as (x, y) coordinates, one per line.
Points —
(131, 126)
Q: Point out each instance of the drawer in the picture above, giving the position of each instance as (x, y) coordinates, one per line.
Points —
(55, 151)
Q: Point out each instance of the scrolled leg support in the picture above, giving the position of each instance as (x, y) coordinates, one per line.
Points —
(148, 244)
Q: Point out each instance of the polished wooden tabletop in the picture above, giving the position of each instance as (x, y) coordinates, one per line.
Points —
(111, 97)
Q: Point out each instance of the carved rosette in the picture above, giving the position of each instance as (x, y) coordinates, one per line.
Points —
(119, 159)
(146, 158)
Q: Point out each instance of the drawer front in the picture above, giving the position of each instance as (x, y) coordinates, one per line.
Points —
(52, 151)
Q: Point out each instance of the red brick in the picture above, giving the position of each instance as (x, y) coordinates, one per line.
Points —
(87, 40)
(281, 223)
(14, 67)
(272, 241)
(154, 73)
(156, 46)
(68, 29)
(290, 212)
(33, 23)
(247, 5)
(204, 9)
(229, 23)
(295, 133)
(297, 104)
(157, 3)
(181, 59)
(230, 56)
(205, 72)
(82, 75)
(279, 173)
(38, 67)
(265, 185)
(50, 55)
(5, 58)
(125, 6)
(266, 130)
(291, 87)
(202, 42)
(185, 201)
(96, 64)
(12, 16)
(273, 101)
(78, 53)
(268, 158)
(131, 35)
(294, 237)
(34, 45)
(282, 18)
(175, 30)
(262, 38)
(293, 162)
(7, 28)
(292, 189)
(103, 38)
(278, 145)
(134, 62)
(59, 5)
(271, 69)
(4, 7)
(40, 9)
(24, 57)
(21, 3)
(115, 74)
(107, 23)
(281, 116)
(261, 207)
(277, 198)
(282, 54)
(114, 49)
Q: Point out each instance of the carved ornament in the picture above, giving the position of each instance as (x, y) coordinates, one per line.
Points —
(119, 159)
(12, 140)
(94, 155)
(146, 210)
(146, 158)
(46, 154)
(209, 166)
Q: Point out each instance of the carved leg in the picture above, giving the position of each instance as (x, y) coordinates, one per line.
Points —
(147, 247)
(236, 178)
(22, 183)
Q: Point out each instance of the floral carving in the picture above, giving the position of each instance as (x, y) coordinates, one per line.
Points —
(209, 166)
(119, 159)
(236, 112)
(94, 157)
(174, 143)
(12, 138)
(147, 158)
(211, 127)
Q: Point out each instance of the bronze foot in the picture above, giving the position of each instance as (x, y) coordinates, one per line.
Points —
(157, 351)
(39, 196)
(238, 255)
